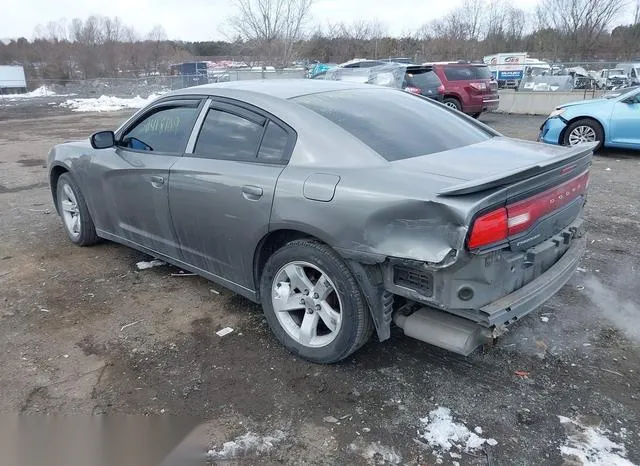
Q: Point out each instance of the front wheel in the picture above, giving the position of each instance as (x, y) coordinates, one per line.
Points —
(584, 130)
(313, 303)
(74, 212)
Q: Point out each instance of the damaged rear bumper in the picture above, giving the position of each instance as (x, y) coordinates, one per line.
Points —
(503, 286)
(462, 335)
(510, 308)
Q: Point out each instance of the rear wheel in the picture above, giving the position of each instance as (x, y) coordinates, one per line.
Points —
(313, 304)
(584, 130)
(74, 212)
(452, 102)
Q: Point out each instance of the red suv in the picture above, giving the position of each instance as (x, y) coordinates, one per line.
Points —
(468, 87)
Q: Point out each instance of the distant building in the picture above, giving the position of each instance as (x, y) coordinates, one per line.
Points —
(12, 80)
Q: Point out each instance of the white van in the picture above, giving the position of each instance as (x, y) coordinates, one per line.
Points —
(632, 70)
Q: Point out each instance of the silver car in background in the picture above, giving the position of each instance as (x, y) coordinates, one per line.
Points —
(340, 207)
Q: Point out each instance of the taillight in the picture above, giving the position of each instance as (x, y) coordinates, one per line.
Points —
(489, 228)
(523, 214)
(413, 90)
(478, 86)
(500, 224)
(441, 89)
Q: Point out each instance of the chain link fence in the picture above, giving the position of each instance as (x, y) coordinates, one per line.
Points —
(148, 85)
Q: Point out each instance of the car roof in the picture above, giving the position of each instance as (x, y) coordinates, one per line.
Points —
(453, 63)
(280, 88)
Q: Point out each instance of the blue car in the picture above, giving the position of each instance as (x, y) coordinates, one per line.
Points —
(613, 121)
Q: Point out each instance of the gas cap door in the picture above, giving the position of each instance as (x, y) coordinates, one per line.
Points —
(320, 187)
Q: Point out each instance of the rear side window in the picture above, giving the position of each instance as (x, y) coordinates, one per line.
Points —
(466, 73)
(228, 136)
(274, 143)
(396, 124)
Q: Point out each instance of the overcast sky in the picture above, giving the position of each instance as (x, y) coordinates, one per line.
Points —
(202, 19)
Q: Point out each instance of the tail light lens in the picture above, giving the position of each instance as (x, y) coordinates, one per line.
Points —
(413, 90)
(489, 228)
(478, 86)
(523, 214)
(515, 218)
(441, 89)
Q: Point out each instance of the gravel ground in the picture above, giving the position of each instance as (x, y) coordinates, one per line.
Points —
(83, 331)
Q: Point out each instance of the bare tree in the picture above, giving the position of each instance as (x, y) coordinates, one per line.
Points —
(271, 24)
(112, 33)
(582, 21)
(636, 13)
(156, 38)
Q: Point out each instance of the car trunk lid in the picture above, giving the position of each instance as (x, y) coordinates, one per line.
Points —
(518, 194)
(494, 163)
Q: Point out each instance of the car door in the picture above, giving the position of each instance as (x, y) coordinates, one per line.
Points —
(134, 176)
(221, 191)
(625, 121)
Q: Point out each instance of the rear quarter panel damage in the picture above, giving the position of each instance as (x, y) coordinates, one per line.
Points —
(371, 217)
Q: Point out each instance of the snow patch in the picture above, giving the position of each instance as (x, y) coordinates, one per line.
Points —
(106, 103)
(247, 444)
(591, 446)
(42, 91)
(144, 265)
(376, 453)
(443, 434)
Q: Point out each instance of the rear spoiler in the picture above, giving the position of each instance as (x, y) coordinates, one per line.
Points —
(510, 177)
(419, 68)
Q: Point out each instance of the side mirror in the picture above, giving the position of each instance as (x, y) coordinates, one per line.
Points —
(634, 99)
(103, 140)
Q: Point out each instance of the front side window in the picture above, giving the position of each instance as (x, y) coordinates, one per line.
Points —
(166, 130)
(228, 136)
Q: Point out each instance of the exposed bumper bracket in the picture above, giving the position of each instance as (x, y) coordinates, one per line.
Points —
(524, 300)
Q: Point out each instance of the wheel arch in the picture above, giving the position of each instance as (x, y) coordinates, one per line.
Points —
(55, 173)
(451, 95)
(368, 276)
(583, 117)
(273, 241)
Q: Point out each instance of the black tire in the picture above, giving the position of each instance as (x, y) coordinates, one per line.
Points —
(476, 115)
(357, 325)
(594, 125)
(453, 103)
(87, 235)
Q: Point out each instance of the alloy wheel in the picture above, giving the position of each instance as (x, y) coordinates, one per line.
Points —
(582, 134)
(306, 304)
(70, 211)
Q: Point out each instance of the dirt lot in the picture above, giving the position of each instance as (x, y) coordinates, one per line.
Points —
(82, 331)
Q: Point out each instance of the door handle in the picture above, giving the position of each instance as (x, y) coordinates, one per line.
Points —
(157, 181)
(252, 192)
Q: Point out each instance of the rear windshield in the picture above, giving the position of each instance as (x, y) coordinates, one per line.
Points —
(466, 73)
(422, 79)
(396, 124)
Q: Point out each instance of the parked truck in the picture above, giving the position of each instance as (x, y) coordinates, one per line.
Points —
(508, 69)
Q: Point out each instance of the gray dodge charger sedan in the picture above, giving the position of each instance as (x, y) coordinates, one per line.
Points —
(340, 207)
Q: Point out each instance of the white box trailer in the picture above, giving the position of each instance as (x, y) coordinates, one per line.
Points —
(510, 68)
(12, 80)
(506, 66)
